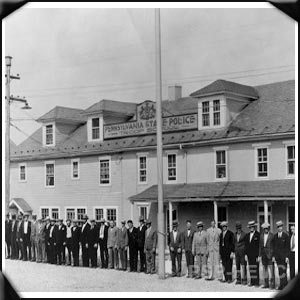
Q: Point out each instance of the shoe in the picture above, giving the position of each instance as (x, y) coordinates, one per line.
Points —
(173, 275)
(229, 281)
(265, 286)
(209, 278)
(198, 277)
(238, 282)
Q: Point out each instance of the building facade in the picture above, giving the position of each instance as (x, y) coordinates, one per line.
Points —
(229, 154)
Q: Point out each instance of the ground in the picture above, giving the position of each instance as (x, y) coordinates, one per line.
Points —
(33, 277)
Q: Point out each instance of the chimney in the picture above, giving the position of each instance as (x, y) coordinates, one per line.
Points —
(174, 92)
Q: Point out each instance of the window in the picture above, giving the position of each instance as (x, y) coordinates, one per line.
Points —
(108, 213)
(95, 128)
(44, 212)
(171, 167)
(290, 160)
(144, 212)
(291, 217)
(22, 172)
(216, 111)
(221, 164)
(99, 214)
(55, 213)
(70, 213)
(205, 114)
(105, 171)
(80, 213)
(111, 214)
(262, 162)
(49, 174)
(52, 212)
(142, 169)
(75, 169)
(222, 214)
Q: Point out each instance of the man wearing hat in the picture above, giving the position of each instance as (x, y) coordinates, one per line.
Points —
(75, 239)
(292, 252)
(123, 245)
(239, 242)
(26, 233)
(33, 238)
(47, 241)
(14, 245)
(112, 245)
(141, 242)
(103, 232)
(69, 241)
(20, 238)
(187, 244)
(252, 253)
(200, 250)
(266, 254)
(93, 244)
(84, 241)
(226, 251)
(175, 247)
(281, 249)
(8, 236)
(132, 244)
(40, 240)
(52, 242)
(150, 248)
(61, 242)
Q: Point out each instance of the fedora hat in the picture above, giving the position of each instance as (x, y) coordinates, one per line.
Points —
(148, 221)
(175, 223)
(224, 223)
(141, 219)
(238, 225)
(200, 223)
(265, 225)
(279, 223)
(251, 224)
(102, 220)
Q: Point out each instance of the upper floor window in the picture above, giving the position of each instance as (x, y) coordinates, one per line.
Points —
(211, 113)
(290, 160)
(49, 166)
(216, 112)
(95, 128)
(205, 114)
(75, 168)
(262, 162)
(49, 134)
(172, 167)
(221, 164)
(142, 160)
(22, 172)
(104, 171)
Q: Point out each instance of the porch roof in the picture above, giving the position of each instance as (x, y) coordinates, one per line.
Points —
(21, 204)
(231, 190)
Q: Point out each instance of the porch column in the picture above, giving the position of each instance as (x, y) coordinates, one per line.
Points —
(170, 215)
(216, 212)
(131, 210)
(266, 210)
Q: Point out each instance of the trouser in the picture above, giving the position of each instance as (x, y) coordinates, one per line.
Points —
(189, 262)
(201, 261)
(292, 264)
(20, 249)
(52, 258)
(33, 248)
(47, 250)
(253, 266)
(227, 266)
(113, 260)
(60, 249)
(14, 248)
(26, 248)
(282, 267)
(123, 258)
(75, 253)
(8, 246)
(40, 247)
(93, 255)
(241, 270)
(141, 254)
(175, 256)
(150, 261)
(133, 257)
(85, 255)
(103, 253)
(268, 267)
(69, 250)
(214, 259)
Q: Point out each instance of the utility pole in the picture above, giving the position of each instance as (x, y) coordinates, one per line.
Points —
(8, 100)
(160, 214)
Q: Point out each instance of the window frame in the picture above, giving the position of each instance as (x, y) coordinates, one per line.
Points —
(95, 139)
(216, 149)
(206, 114)
(19, 172)
(288, 223)
(45, 175)
(50, 210)
(261, 146)
(72, 168)
(75, 208)
(286, 145)
(45, 134)
(105, 208)
(176, 166)
(139, 156)
(215, 112)
(101, 158)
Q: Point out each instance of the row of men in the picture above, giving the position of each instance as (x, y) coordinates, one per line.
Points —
(49, 240)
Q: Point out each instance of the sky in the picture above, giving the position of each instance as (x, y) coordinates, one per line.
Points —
(75, 57)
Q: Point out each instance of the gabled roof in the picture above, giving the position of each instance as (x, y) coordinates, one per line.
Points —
(180, 106)
(60, 113)
(21, 204)
(222, 86)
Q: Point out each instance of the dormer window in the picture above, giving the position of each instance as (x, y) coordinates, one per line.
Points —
(49, 134)
(205, 114)
(95, 128)
(217, 112)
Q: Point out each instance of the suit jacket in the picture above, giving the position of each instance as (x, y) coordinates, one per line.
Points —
(187, 241)
(267, 250)
(226, 243)
(19, 231)
(40, 232)
(105, 234)
(213, 238)
(132, 237)
(122, 238)
(23, 235)
(53, 239)
(240, 245)
(112, 237)
(76, 231)
(141, 236)
(93, 236)
(150, 239)
(281, 246)
(8, 226)
(14, 227)
(200, 243)
(47, 231)
(252, 248)
(84, 233)
(178, 243)
(61, 234)
(33, 230)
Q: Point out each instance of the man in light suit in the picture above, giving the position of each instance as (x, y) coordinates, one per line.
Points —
(150, 248)
(200, 249)
(33, 238)
(175, 246)
(103, 233)
(40, 240)
(266, 254)
(123, 245)
(112, 245)
(187, 237)
(213, 238)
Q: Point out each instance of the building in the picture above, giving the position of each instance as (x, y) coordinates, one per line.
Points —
(229, 154)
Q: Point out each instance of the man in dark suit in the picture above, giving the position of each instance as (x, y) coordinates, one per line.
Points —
(75, 239)
(292, 252)
(175, 247)
(132, 244)
(52, 242)
(266, 254)
(239, 243)
(33, 238)
(20, 238)
(26, 233)
(84, 241)
(123, 245)
(8, 236)
(187, 242)
(141, 243)
(14, 245)
(61, 242)
(47, 241)
(281, 251)
(226, 251)
(252, 253)
(103, 232)
(150, 248)
(93, 243)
